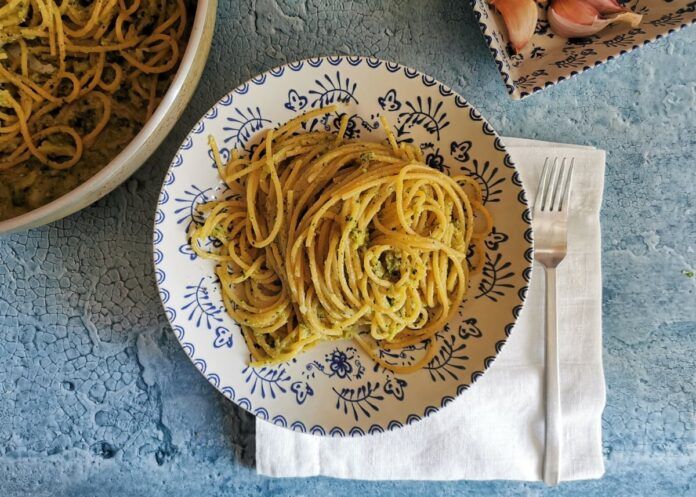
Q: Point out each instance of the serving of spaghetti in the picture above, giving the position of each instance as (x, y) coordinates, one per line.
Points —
(322, 238)
(77, 82)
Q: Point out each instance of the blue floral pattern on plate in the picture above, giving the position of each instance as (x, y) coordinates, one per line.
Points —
(335, 389)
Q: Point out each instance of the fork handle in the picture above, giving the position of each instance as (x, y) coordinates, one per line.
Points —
(552, 453)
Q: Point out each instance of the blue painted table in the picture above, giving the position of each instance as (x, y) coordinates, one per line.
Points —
(98, 398)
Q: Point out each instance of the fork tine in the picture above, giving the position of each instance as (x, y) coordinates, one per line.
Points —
(557, 187)
(565, 198)
(547, 184)
(540, 190)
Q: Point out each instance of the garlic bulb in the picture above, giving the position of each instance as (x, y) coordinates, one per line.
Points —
(582, 18)
(520, 18)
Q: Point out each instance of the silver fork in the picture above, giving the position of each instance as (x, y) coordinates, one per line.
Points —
(550, 224)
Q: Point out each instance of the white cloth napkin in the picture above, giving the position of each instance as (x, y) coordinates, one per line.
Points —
(495, 430)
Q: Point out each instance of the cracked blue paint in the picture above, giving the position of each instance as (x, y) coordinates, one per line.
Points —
(98, 398)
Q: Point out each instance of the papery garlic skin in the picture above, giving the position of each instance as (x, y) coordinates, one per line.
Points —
(581, 18)
(520, 17)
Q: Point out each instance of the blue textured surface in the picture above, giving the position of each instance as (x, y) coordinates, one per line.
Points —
(98, 398)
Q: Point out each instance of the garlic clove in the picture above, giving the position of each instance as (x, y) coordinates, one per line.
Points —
(520, 17)
(569, 14)
(580, 19)
(607, 6)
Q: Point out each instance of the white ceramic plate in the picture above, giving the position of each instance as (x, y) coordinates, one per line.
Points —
(335, 389)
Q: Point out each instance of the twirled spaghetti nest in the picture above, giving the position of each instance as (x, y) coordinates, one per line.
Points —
(321, 238)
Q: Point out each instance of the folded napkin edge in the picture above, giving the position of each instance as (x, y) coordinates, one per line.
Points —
(513, 141)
